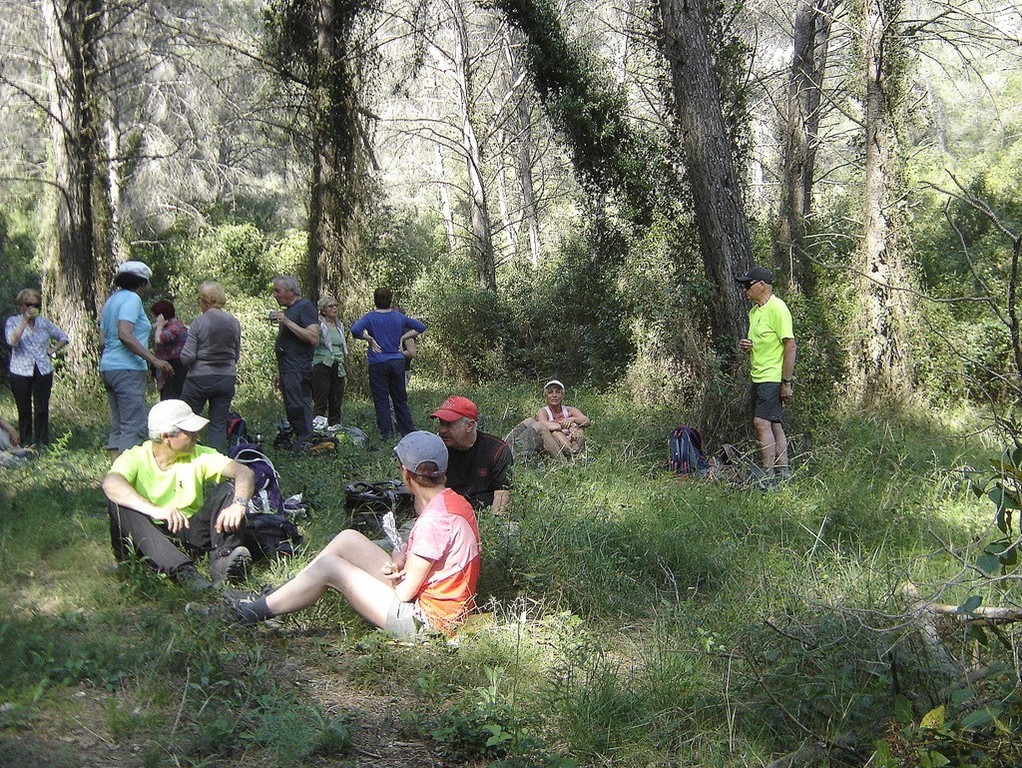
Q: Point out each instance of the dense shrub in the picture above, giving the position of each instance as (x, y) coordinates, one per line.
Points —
(467, 328)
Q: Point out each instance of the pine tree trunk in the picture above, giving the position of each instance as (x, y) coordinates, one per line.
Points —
(78, 270)
(708, 158)
(482, 237)
(445, 200)
(340, 166)
(882, 362)
(523, 120)
(801, 130)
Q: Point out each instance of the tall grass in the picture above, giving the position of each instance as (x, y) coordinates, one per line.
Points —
(629, 619)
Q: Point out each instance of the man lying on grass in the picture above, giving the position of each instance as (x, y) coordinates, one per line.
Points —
(157, 499)
(430, 582)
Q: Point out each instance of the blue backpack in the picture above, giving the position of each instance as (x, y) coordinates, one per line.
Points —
(687, 457)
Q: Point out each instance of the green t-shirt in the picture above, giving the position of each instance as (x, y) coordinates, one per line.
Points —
(178, 486)
(769, 326)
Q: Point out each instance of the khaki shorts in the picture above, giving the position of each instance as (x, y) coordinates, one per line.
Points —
(404, 620)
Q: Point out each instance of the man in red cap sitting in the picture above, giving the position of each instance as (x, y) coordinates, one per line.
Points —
(480, 465)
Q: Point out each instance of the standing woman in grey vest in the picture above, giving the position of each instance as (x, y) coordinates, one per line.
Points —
(211, 356)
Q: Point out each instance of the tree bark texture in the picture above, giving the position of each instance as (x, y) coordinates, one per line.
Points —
(708, 158)
(340, 166)
(801, 137)
(77, 274)
(482, 234)
(446, 211)
(523, 123)
(882, 360)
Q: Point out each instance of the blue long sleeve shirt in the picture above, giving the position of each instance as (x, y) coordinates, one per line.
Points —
(387, 327)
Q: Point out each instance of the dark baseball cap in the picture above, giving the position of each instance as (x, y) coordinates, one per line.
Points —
(756, 275)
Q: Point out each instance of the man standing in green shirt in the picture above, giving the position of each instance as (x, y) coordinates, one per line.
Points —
(771, 349)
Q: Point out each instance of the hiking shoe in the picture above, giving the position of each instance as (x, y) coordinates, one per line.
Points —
(188, 576)
(230, 567)
(228, 611)
(319, 423)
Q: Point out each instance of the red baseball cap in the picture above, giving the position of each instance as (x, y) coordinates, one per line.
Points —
(456, 407)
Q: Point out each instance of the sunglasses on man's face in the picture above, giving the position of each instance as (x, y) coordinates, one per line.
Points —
(32, 304)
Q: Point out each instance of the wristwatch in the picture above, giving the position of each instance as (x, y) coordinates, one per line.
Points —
(787, 381)
(241, 501)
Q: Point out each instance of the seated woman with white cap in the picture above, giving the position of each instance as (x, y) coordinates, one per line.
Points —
(429, 582)
(560, 427)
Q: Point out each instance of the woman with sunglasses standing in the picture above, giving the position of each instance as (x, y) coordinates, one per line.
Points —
(34, 342)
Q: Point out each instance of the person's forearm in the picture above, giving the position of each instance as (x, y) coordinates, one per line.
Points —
(121, 492)
(131, 343)
(15, 337)
(788, 364)
(309, 334)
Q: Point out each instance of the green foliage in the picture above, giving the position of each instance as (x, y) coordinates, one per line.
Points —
(238, 255)
(467, 330)
(232, 254)
(1004, 490)
(40, 652)
(976, 727)
(568, 316)
(400, 246)
(18, 252)
(483, 723)
(609, 153)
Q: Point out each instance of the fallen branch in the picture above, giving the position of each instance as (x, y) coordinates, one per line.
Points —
(980, 616)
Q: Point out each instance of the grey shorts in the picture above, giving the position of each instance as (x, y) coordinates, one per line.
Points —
(766, 401)
(404, 620)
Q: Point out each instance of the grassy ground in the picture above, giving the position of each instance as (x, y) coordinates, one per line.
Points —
(630, 618)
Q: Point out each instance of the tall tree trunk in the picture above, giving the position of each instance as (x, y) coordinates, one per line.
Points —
(708, 157)
(482, 237)
(801, 132)
(882, 360)
(511, 220)
(523, 121)
(445, 201)
(78, 271)
(340, 167)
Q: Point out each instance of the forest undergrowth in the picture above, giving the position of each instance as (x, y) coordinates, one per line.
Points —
(628, 619)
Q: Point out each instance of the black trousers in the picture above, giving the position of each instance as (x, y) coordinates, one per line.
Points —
(33, 393)
(327, 392)
(131, 531)
(296, 389)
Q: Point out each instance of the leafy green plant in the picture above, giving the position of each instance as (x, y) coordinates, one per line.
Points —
(483, 724)
(1004, 490)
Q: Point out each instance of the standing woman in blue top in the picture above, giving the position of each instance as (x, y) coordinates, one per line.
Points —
(124, 364)
(386, 330)
(34, 342)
